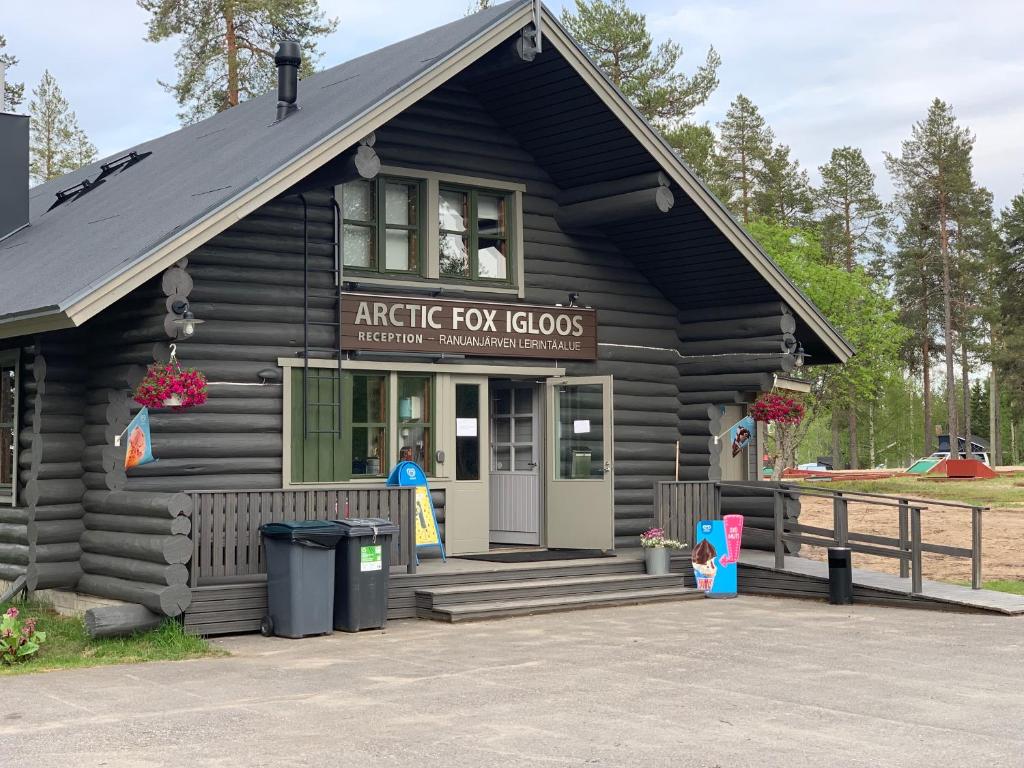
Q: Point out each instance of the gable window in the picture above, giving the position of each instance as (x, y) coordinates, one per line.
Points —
(381, 230)
(9, 382)
(473, 228)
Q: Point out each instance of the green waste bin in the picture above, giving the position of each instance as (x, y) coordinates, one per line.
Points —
(361, 568)
(300, 577)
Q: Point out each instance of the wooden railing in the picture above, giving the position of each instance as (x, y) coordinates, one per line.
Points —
(908, 547)
(679, 505)
(226, 525)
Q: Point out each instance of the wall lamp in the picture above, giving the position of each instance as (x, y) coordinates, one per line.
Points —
(187, 322)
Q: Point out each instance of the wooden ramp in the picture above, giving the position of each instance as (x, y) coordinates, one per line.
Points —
(809, 578)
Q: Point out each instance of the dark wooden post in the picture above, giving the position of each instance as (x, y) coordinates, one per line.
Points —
(976, 547)
(780, 554)
(916, 577)
(904, 536)
(840, 520)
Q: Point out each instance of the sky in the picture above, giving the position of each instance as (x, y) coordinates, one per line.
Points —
(824, 74)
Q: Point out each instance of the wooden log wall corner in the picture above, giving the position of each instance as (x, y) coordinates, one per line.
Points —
(134, 544)
(41, 538)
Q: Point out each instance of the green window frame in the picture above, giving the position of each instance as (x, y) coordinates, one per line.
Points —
(324, 450)
(374, 225)
(10, 385)
(416, 434)
(475, 245)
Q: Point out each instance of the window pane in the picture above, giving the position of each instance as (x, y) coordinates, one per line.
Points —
(579, 427)
(467, 447)
(8, 400)
(524, 401)
(369, 399)
(524, 458)
(359, 247)
(501, 399)
(524, 430)
(357, 200)
(491, 260)
(502, 458)
(367, 449)
(454, 256)
(415, 446)
(400, 204)
(453, 210)
(401, 247)
(502, 431)
(490, 215)
(413, 398)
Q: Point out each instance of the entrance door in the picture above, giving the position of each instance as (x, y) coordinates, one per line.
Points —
(579, 485)
(466, 492)
(515, 458)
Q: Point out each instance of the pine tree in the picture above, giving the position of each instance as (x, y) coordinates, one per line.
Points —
(478, 5)
(226, 53)
(57, 144)
(784, 189)
(1008, 294)
(14, 93)
(853, 218)
(616, 38)
(695, 144)
(933, 174)
(745, 143)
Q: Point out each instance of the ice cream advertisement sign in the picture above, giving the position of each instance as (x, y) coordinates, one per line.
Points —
(715, 555)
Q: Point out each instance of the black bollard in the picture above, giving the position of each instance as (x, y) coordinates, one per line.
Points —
(840, 576)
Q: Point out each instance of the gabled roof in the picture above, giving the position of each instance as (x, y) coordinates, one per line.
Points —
(73, 261)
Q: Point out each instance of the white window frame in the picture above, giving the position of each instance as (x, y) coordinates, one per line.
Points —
(432, 181)
(12, 358)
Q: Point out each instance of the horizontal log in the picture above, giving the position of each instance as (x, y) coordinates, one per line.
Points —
(53, 575)
(700, 473)
(733, 311)
(772, 344)
(713, 397)
(738, 328)
(697, 459)
(141, 546)
(169, 600)
(58, 553)
(55, 531)
(46, 492)
(194, 421)
(625, 433)
(66, 470)
(143, 504)
(205, 482)
(729, 364)
(165, 526)
(57, 448)
(644, 452)
(114, 480)
(615, 187)
(120, 620)
(14, 533)
(134, 570)
(212, 446)
(746, 382)
(213, 466)
(53, 422)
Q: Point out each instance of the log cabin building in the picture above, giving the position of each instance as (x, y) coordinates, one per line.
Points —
(465, 249)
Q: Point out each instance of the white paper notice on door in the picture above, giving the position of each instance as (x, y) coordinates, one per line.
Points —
(581, 426)
(465, 427)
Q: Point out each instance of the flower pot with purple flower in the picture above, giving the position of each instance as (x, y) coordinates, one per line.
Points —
(168, 385)
(658, 551)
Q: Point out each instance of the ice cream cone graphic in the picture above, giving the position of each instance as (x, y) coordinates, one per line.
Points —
(704, 567)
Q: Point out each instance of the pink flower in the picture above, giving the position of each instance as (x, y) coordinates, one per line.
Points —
(12, 612)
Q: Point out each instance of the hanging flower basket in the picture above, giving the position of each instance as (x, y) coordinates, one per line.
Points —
(168, 385)
(773, 408)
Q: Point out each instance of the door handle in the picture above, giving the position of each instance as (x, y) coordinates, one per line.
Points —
(531, 464)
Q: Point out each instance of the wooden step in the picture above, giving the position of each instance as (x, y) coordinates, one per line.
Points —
(528, 606)
(520, 572)
(436, 597)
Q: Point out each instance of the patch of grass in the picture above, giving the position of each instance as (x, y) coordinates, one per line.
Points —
(69, 646)
(1000, 585)
(995, 492)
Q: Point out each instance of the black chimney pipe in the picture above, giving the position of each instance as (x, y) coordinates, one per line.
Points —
(13, 173)
(288, 58)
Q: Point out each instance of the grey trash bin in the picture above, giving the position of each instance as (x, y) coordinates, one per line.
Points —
(300, 577)
(362, 565)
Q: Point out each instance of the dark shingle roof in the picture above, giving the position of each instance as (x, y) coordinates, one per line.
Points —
(70, 251)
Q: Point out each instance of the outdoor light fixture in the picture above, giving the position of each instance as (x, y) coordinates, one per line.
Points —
(573, 298)
(800, 356)
(187, 322)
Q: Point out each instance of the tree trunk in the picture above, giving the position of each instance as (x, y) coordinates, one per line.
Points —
(926, 384)
(871, 435)
(947, 310)
(995, 426)
(836, 458)
(232, 51)
(852, 426)
(966, 386)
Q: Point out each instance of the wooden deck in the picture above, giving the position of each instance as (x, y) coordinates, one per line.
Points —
(800, 577)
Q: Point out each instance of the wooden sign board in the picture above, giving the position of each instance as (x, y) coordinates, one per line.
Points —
(412, 324)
